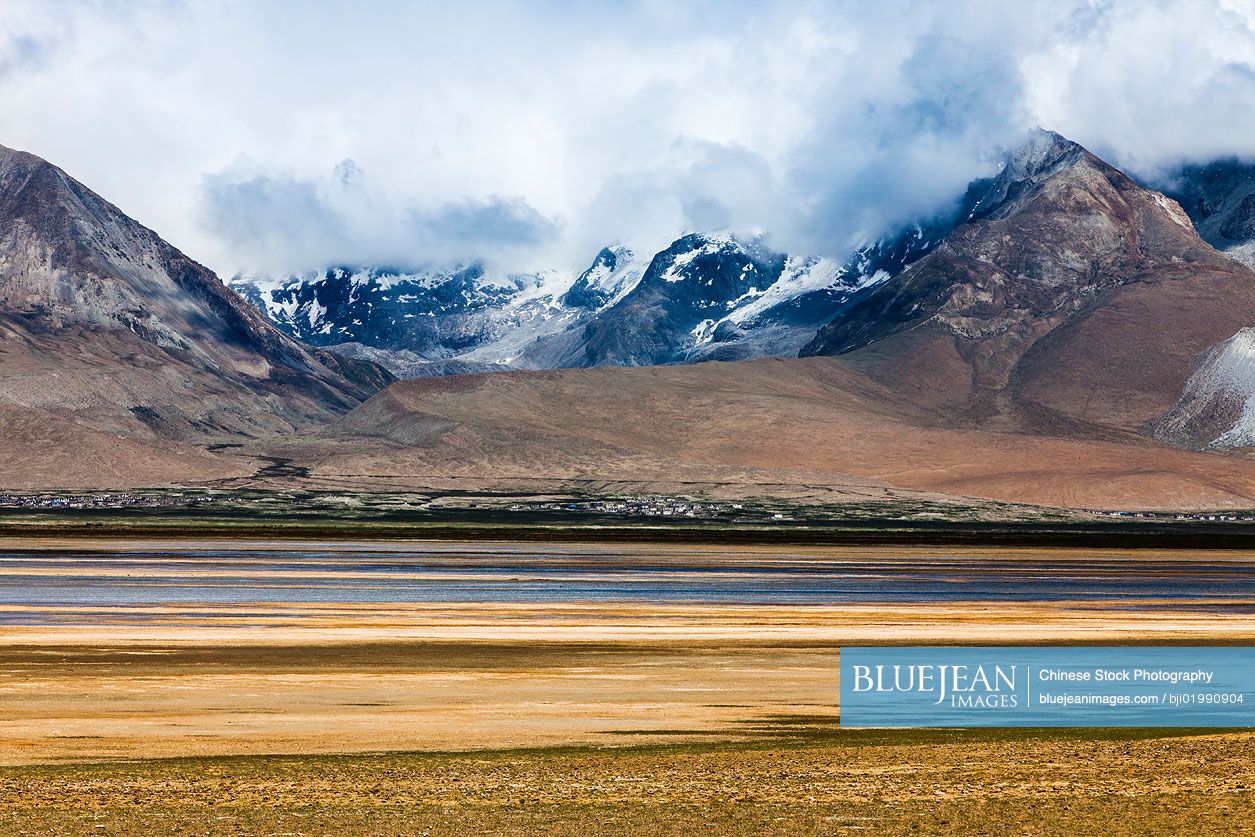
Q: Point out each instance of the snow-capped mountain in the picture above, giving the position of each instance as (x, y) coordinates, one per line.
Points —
(425, 313)
(1220, 199)
(613, 273)
(437, 322)
(704, 297)
(707, 297)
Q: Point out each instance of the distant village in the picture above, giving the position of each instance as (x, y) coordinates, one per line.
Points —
(1212, 516)
(637, 507)
(98, 501)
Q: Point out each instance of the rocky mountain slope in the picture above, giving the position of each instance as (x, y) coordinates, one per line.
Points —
(1217, 407)
(104, 324)
(1075, 305)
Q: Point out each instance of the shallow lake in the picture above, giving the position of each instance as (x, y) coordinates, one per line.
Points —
(56, 585)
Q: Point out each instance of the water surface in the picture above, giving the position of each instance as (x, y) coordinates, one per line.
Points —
(63, 587)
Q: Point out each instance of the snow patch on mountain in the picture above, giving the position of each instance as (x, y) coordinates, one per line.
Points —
(1174, 210)
(801, 274)
(1231, 376)
(1216, 410)
(711, 245)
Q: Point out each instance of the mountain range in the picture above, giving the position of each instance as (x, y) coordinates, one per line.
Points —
(1063, 334)
(1042, 350)
(704, 297)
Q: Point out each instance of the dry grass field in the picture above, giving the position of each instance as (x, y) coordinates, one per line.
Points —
(345, 718)
(790, 778)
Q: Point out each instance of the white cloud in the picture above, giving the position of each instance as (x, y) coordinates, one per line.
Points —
(278, 221)
(1152, 84)
(534, 132)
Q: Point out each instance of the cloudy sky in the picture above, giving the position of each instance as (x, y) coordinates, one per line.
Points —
(284, 136)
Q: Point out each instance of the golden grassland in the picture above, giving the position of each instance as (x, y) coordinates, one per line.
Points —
(724, 736)
(287, 678)
(578, 718)
(790, 778)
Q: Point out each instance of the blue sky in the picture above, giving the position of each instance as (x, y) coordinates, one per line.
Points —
(282, 136)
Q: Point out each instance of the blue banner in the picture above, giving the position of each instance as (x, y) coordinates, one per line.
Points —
(1010, 686)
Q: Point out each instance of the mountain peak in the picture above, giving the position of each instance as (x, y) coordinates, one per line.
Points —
(603, 280)
(1042, 151)
(11, 156)
(80, 271)
(1043, 155)
(1053, 235)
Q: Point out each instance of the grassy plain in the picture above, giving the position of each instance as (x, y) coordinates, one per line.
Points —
(571, 717)
(791, 778)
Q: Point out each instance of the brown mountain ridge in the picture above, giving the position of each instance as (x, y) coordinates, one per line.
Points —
(1026, 359)
(104, 324)
(1078, 308)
